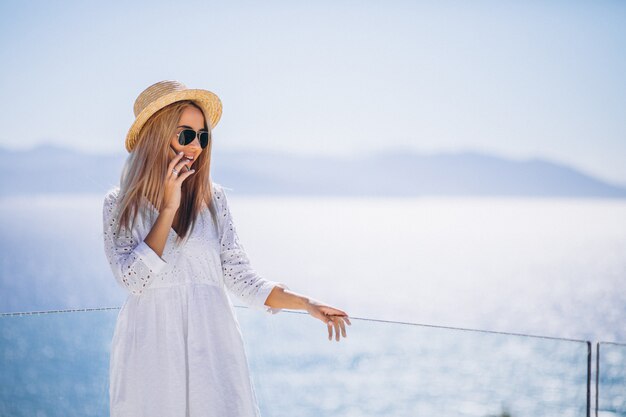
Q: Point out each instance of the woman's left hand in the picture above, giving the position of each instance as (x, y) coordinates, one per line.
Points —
(332, 317)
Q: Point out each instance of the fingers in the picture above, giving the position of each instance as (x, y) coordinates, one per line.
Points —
(177, 164)
(181, 164)
(341, 312)
(337, 325)
(179, 168)
(184, 175)
(336, 320)
(174, 161)
(343, 316)
(175, 179)
(332, 311)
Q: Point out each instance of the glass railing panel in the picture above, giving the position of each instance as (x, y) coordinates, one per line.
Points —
(56, 364)
(611, 379)
(396, 369)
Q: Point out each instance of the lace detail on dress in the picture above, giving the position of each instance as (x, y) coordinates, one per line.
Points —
(239, 276)
(134, 263)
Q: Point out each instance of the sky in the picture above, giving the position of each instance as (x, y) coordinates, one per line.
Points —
(525, 79)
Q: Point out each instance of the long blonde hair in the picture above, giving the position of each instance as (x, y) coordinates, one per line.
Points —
(146, 167)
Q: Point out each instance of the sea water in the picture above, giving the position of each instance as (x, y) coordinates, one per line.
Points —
(547, 267)
(554, 267)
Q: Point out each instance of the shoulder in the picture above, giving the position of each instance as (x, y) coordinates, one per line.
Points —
(220, 196)
(219, 190)
(112, 193)
(216, 187)
(110, 197)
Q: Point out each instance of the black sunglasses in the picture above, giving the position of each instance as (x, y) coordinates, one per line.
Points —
(185, 137)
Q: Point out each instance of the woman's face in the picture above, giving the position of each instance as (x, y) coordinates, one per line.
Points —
(191, 118)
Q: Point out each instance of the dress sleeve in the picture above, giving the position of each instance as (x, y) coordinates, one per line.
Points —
(239, 277)
(133, 262)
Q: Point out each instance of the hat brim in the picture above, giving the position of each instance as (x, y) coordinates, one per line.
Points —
(208, 101)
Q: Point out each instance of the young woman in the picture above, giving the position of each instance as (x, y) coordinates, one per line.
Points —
(169, 237)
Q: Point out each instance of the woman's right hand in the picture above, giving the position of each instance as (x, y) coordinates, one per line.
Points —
(174, 182)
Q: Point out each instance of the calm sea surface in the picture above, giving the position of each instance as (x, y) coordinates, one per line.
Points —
(554, 267)
(548, 267)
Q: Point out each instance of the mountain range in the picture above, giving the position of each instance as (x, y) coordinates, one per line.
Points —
(399, 172)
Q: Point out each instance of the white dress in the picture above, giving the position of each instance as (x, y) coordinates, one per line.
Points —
(177, 349)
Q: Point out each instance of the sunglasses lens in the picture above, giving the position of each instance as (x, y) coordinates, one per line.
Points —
(186, 137)
(204, 139)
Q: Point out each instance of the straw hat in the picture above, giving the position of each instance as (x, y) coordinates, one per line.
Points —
(163, 93)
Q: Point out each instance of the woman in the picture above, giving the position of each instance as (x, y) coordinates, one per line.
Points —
(169, 237)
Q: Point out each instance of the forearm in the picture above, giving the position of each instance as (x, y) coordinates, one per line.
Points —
(157, 237)
(283, 298)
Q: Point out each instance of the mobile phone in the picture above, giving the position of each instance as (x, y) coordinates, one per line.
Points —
(185, 167)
